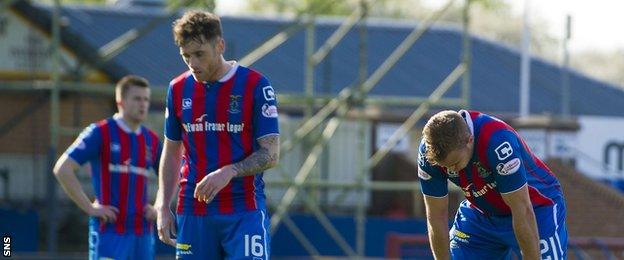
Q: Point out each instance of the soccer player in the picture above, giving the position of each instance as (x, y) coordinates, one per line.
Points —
(513, 203)
(224, 117)
(120, 151)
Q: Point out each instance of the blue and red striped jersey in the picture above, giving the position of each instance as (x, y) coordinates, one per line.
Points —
(219, 123)
(501, 163)
(120, 161)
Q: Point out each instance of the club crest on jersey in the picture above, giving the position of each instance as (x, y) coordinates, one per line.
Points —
(186, 103)
(509, 167)
(234, 104)
(452, 174)
(269, 93)
(423, 174)
(269, 111)
(503, 151)
(421, 159)
(115, 147)
(483, 173)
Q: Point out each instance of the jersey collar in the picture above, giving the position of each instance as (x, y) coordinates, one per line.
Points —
(122, 124)
(468, 120)
(229, 74)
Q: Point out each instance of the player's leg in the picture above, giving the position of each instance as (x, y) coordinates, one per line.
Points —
(472, 237)
(108, 245)
(144, 246)
(246, 236)
(197, 238)
(552, 231)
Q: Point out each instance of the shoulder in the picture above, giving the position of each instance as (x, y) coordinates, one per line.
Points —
(178, 81)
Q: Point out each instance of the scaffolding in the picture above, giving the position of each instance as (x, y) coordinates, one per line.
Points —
(319, 110)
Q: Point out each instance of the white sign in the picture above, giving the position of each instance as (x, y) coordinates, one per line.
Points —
(601, 147)
(385, 131)
(536, 140)
(547, 144)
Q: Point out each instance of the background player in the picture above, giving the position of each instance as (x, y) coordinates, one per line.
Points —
(506, 187)
(120, 151)
(225, 116)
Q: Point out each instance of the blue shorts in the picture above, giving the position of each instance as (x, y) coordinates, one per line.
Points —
(237, 236)
(110, 245)
(476, 236)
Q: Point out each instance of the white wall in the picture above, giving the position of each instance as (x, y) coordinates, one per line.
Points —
(595, 135)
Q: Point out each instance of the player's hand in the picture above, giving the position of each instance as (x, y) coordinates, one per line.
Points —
(149, 212)
(106, 212)
(165, 225)
(212, 183)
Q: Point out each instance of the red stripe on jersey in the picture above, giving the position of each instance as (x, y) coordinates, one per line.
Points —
(493, 198)
(485, 133)
(199, 139)
(247, 137)
(226, 204)
(184, 172)
(177, 86)
(538, 199)
(105, 186)
(124, 142)
(537, 161)
(224, 143)
(140, 185)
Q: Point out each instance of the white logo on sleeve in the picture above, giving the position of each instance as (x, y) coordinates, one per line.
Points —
(423, 174)
(503, 151)
(166, 112)
(269, 111)
(186, 103)
(269, 93)
(509, 167)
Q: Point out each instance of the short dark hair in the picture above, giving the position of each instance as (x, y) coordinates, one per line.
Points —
(129, 81)
(196, 26)
(443, 133)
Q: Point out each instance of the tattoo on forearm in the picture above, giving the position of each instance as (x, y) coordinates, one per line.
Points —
(262, 159)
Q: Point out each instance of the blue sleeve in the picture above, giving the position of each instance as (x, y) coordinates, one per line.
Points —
(504, 154)
(173, 129)
(432, 181)
(87, 146)
(265, 110)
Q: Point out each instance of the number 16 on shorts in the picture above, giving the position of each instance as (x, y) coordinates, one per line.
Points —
(254, 245)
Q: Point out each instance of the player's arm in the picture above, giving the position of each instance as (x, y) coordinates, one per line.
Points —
(437, 225)
(264, 158)
(167, 180)
(504, 155)
(65, 173)
(524, 223)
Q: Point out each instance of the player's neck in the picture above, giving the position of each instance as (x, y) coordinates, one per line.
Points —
(224, 68)
(131, 124)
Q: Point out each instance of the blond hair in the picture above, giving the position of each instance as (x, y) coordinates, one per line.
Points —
(444, 132)
(196, 26)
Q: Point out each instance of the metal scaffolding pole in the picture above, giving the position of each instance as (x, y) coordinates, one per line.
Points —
(360, 219)
(348, 92)
(54, 129)
(119, 44)
(417, 115)
(342, 102)
(466, 54)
